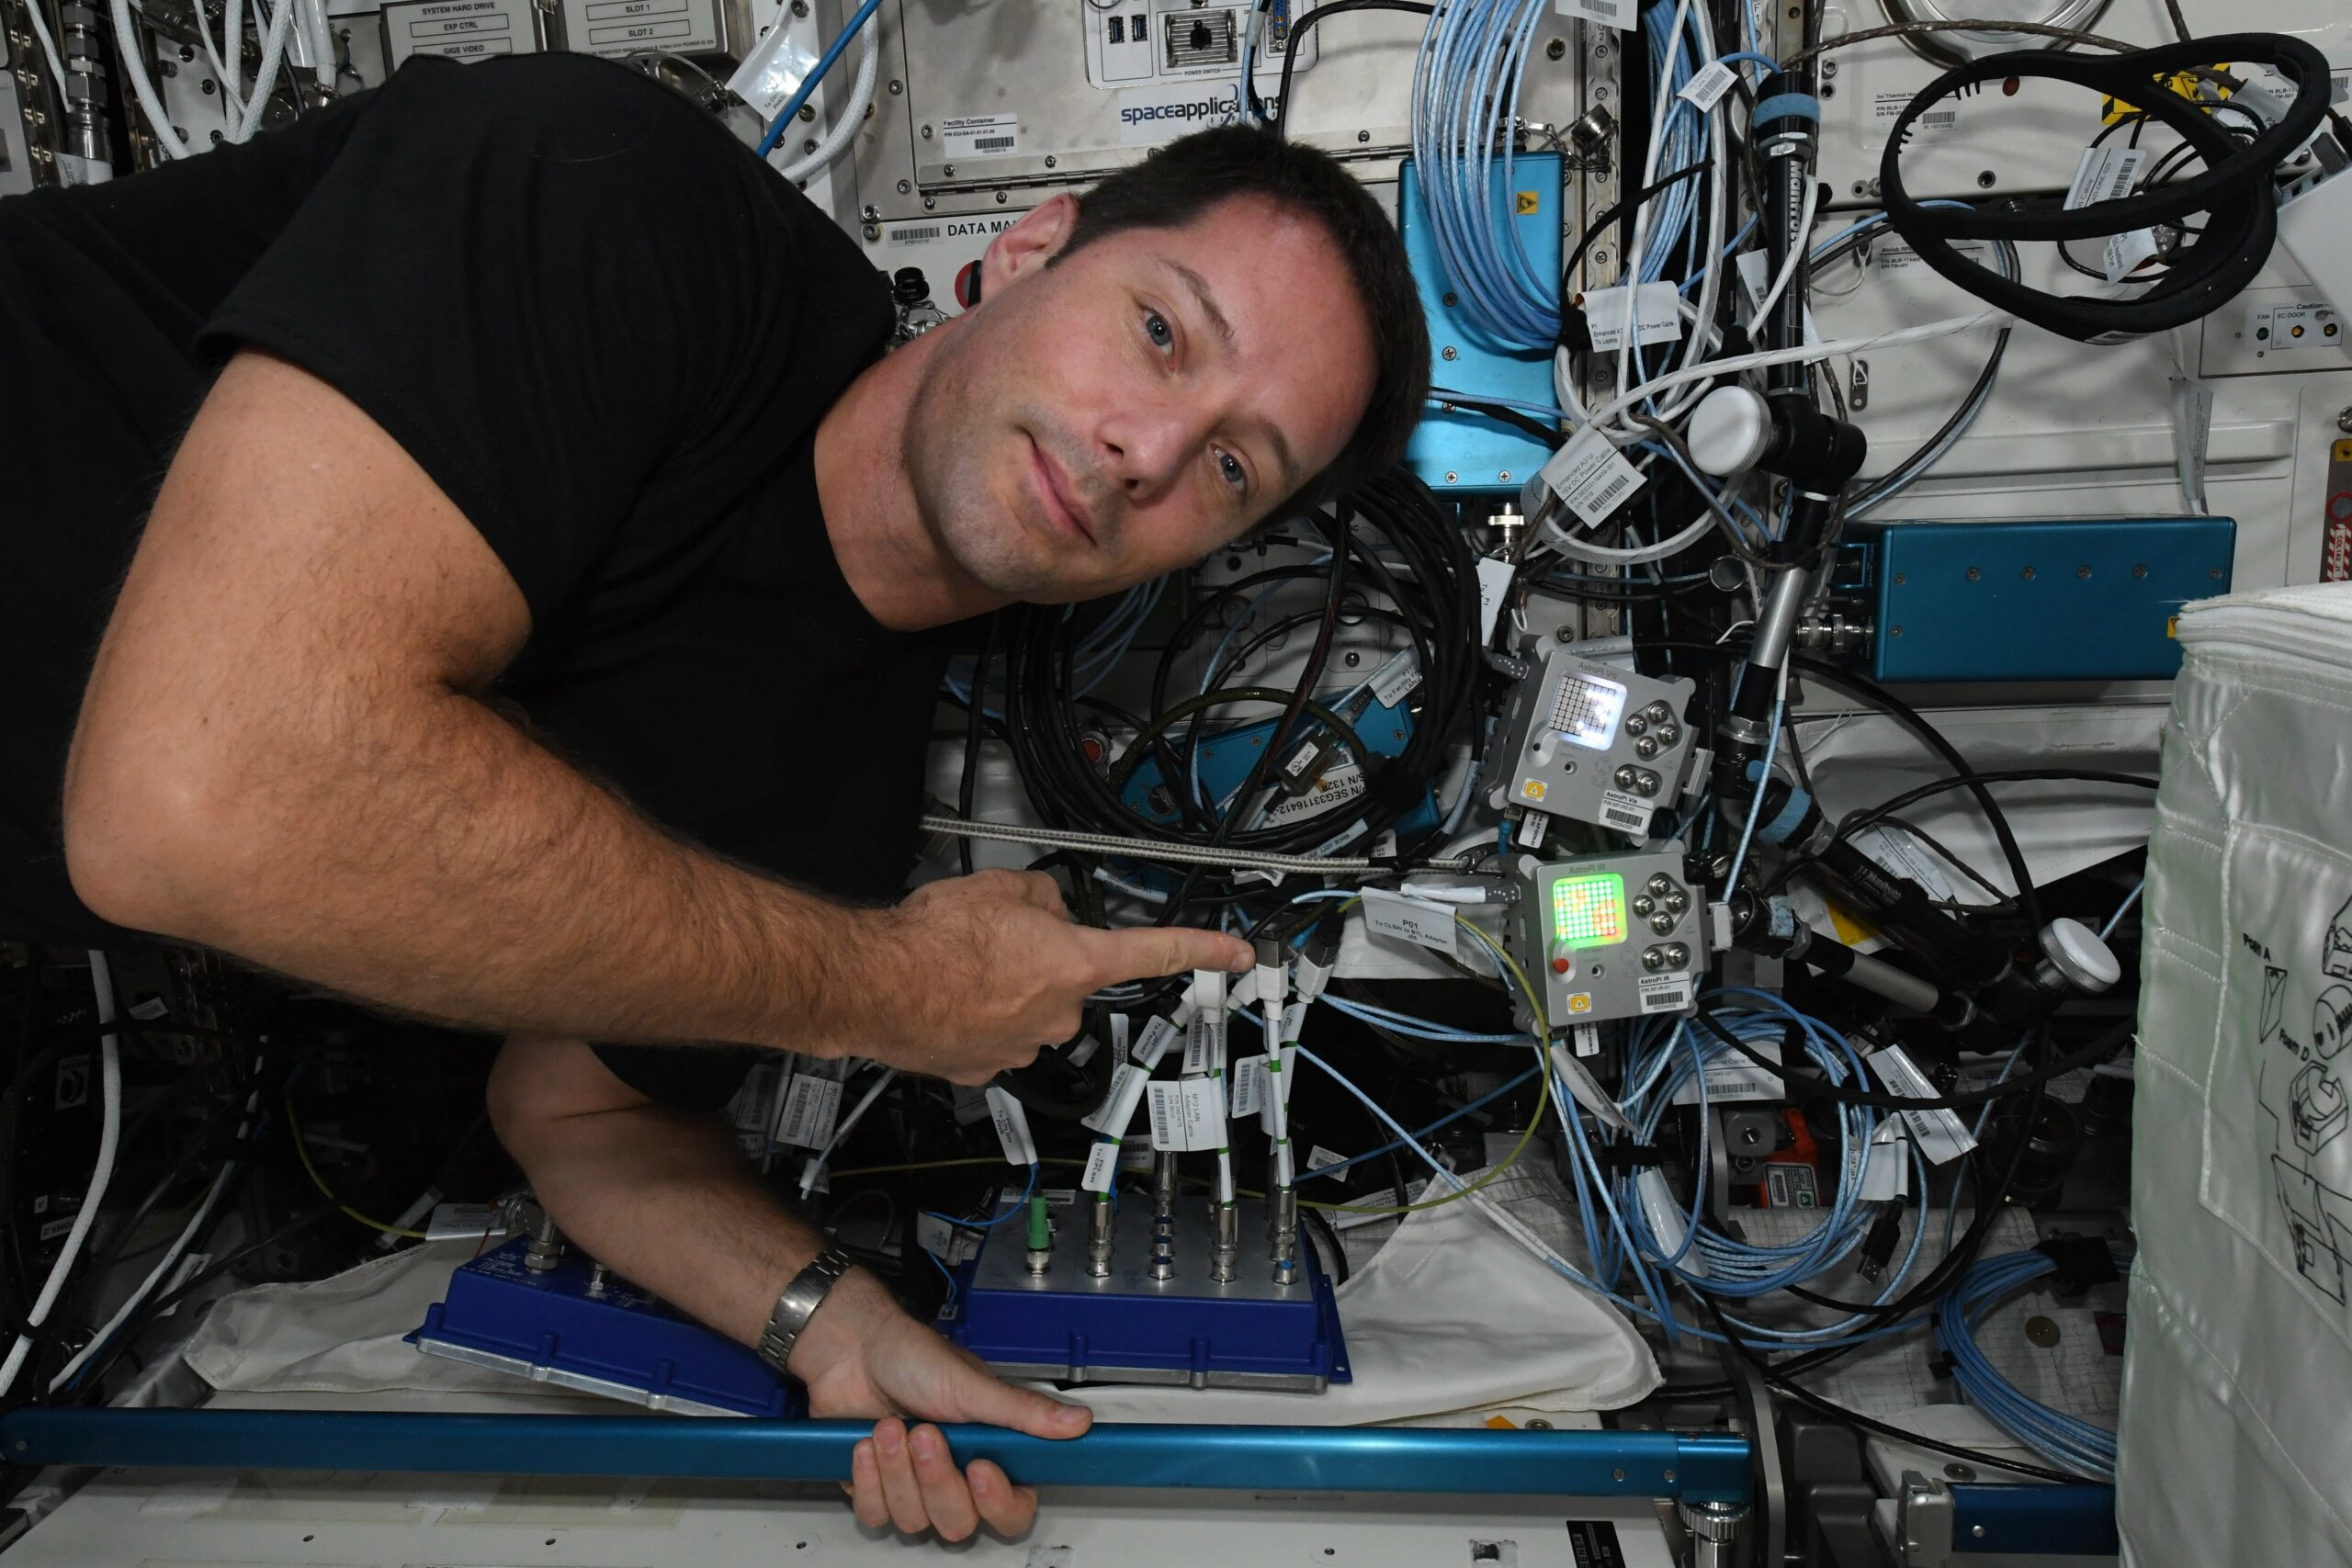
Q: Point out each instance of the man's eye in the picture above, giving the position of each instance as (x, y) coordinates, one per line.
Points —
(1230, 467)
(1156, 327)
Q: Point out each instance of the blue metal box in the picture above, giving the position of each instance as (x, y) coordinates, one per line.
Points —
(1469, 454)
(2085, 600)
(565, 1326)
(1189, 1330)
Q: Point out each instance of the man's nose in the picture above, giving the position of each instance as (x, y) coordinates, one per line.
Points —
(1148, 444)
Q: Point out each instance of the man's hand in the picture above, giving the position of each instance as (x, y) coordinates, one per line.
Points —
(994, 969)
(862, 1356)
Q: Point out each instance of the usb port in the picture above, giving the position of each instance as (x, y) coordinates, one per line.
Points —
(1115, 30)
(1139, 28)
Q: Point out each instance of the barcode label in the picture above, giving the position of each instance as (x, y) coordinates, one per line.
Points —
(1204, 1044)
(1707, 88)
(1629, 813)
(1667, 993)
(1731, 1076)
(1158, 1035)
(1656, 308)
(809, 1112)
(1939, 1132)
(1608, 13)
(1888, 108)
(978, 136)
(2105, 174)
(1592, 477)
(1940, 120)
(916, 235)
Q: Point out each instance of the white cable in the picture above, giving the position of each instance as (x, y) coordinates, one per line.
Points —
(134, 64)
(816, 1168)
(1149, 848)
(229, 80)
(1795, 258)
(861, 97)
(48, 46)
(321, 42)
(172, 1255)
(273, 54)
(110, 1139)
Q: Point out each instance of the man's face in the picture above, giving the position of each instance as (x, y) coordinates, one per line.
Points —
(1099, 422)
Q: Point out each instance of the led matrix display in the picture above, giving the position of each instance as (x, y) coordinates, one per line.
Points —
(1588, 911)
(1585, 711)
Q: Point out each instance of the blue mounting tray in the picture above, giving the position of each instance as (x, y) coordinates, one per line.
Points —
(1188, 1330)
(607, 1337)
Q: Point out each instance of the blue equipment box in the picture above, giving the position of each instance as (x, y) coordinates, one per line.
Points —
(1185, 1331)
(1457, 452)
(564, 1326)
(2082, 600)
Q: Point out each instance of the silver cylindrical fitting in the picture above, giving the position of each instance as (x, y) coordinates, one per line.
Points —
(1163, 1183)
(547, 1244)
(1715, 1529)
(1226, 1247)
(1098, 1238)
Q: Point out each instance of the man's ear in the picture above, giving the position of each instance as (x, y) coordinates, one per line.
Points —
(1034, 240)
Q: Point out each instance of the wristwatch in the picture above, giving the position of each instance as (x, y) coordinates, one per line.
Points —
(799, 1305)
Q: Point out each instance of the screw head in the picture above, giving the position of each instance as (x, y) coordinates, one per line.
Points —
(1000, 198)
(1452, 478)
(949, 171)
(2214, 572)
(1449, 299)
(1537, 1424)
(1986, 179)
(1895, 631)
(2027, 574)
(896, 88)
(2343, 422)
(1900, 578)
(2140, 571)
(905, 186)
(1958, 1471)
(1449, 352)
(800, 8)
(1613, 1475)
(1974, 575)
(807, 112)
(1052, 162)
(926, 133)
(2082, 571)
(1363, 136)
(1556, 49)
(1503, 477)
(871, 214)
(872, 232)
(930, 202)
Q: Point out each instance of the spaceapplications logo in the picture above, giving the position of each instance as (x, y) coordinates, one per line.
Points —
(1151, 115)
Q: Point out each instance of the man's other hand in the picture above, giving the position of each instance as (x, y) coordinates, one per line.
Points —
(864, 1356)
(991, 968)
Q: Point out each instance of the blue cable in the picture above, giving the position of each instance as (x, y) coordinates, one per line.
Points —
(808, 83)
(943, 1273)
(1419, 1133)
(988, 1225)
(1749, 56)
(2067, 1440)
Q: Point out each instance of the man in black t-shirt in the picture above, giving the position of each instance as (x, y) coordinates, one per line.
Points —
(534, 625)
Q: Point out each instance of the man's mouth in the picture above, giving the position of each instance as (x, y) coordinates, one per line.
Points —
(1060, 497)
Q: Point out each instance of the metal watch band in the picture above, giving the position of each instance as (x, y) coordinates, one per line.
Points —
(799, 1302)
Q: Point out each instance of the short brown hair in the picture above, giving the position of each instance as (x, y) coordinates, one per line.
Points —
(1185, 179)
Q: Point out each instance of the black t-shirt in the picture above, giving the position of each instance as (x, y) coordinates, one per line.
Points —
(607, 331)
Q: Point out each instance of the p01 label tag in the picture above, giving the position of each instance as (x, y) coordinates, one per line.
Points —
(1403, 918)
(1011, 1128)
(1939, 1132)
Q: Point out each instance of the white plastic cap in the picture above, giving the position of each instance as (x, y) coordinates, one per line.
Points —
(2078, 953)
(1729, 431)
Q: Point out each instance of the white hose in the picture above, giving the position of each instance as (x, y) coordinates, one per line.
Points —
(48, 46)
(110, 1140)
(273, 54)
(134, 65)
(853, 115)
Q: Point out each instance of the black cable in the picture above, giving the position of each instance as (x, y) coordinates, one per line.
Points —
(1818, 1090)
(1610, 214)
(1549, 434)
(1298, 30)
(2234, 191)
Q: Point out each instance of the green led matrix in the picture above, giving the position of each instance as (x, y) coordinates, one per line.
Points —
(1588, 911)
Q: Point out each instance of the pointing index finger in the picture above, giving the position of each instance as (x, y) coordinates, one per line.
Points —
(1147, 953)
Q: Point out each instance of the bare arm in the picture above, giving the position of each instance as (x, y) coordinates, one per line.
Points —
(663, 1198)
(284, 752)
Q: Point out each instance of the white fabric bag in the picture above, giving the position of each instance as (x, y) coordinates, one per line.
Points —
(2236, 1445)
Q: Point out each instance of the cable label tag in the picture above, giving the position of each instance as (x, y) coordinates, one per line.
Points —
(1187, 1115)
(1657, 309)
(1707, 88)
(1533, 825)
(1158, 1035)
(1122, 1083)
(1887, 108)
(1393, 680)
(809, 1111)
(1626, 812)
(1670, 1221)
(2106, 174)
(1294, 1022)
(1618, 14)
(1494, 586)
(1123, 1030)
(1417, 921)
(1592, 477)
(1102, 1167)
(1587, 1089)
(1012, 1127)
(1204, 1044)
(1587, 1037)
(1729, 1075)
(1319, 1157)
(945, 1242)
(1253, 1085)
(2127, 253)
(455, 1221)
(1207, 993)
(1886, 1167)
(1940, 1133)
(1670, 993)
(1334, 786)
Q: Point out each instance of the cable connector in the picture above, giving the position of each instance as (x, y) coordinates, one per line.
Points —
(2081, 1263)
(1322, 955)
(1878, 1246)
